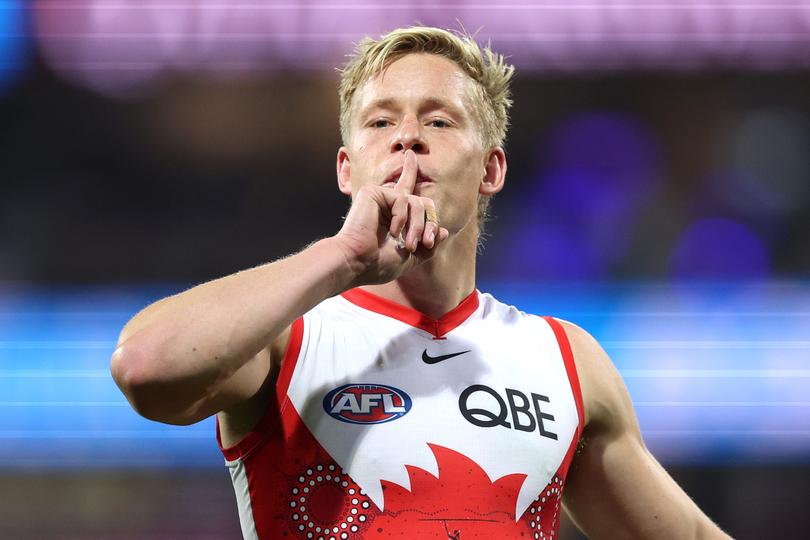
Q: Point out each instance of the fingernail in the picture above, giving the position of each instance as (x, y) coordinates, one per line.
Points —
(432, 236)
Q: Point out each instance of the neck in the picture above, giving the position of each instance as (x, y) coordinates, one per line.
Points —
(440, 284)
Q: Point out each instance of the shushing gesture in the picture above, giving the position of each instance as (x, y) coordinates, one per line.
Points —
(389, 231)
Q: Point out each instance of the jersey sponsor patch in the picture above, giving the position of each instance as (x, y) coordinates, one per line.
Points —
(366, 403)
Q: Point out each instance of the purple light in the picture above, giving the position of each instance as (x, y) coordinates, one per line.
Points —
(601, 168)
(601, 162)
(718, 248)
(112, 48)
(116, 45)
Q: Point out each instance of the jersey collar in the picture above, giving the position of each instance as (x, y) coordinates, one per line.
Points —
(437, 327)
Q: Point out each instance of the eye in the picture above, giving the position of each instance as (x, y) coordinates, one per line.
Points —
(439, 123)
(380, 123)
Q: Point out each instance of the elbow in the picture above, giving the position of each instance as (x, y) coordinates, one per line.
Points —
(133, 369)
(129, 370)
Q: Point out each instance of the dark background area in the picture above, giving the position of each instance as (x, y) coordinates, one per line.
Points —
(204, 176)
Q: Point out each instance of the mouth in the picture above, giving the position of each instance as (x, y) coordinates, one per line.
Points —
(392, 178)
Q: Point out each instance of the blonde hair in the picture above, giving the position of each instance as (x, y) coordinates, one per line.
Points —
(491, 75)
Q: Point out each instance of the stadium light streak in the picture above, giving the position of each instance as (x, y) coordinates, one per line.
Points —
(687, 415)
(735, 314)
(64, 404)
(48, 344)
(721, 403)
(55, 374)
(104, 434)
(719, 433)
(438, 6)
(688, 344)
(122, 49)
(715, 373)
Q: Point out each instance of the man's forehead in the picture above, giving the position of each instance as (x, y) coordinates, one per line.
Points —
(416, 78)
(426, 101)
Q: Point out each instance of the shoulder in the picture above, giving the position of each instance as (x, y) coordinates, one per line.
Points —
(604, 395)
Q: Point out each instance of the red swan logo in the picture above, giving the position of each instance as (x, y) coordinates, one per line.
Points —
(461, 504)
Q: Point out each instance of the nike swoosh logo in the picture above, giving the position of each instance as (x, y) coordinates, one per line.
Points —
(426, 358)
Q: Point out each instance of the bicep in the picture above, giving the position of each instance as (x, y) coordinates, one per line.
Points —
(252, 376)
(617, 489)
(237, 420)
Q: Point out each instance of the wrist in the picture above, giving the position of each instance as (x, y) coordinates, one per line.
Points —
(348, 265)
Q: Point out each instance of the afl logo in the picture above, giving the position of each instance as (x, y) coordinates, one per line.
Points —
(366, 403)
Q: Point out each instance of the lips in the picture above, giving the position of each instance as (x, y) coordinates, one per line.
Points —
(392, 178)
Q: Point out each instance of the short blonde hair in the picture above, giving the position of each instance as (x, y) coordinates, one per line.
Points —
(491, 97)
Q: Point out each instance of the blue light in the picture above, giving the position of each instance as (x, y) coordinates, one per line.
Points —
(717, 372)
(718, 248)
(13, 42)
(549, 250)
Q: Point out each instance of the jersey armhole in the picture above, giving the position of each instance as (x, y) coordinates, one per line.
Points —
(271, 419)
(289, 362)
(571, 370)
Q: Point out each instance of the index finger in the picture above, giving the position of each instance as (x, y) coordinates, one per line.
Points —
(407, 180)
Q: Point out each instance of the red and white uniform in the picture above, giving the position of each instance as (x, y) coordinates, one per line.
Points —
(389, 424)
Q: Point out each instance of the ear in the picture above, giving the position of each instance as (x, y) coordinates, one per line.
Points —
(344, 171)
(494, 172)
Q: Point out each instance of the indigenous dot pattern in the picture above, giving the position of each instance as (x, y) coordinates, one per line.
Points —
(353, 516)
(543, 515)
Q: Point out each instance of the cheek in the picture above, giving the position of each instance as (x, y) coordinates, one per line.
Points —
(471, 170)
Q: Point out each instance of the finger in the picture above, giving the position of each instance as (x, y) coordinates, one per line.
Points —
(399, 215)
(407, 180)
(431, 223)
(424, 252)
(416, 223)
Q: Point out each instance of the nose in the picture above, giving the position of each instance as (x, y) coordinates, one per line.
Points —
(409, 136)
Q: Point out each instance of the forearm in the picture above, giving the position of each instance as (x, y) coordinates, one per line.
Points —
(193, 340)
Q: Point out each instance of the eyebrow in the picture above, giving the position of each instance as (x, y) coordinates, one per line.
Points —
(429, 104)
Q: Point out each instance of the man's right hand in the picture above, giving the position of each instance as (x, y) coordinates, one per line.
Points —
(377, 220)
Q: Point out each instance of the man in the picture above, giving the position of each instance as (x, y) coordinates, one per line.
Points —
(363, 387)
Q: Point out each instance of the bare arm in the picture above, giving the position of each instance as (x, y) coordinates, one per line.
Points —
(188, 356)
(193, 354)
(616, 488)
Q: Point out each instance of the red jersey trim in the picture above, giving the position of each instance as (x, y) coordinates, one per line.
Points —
(573, 378)
(262, 428)
(290, 360)
(410, 316)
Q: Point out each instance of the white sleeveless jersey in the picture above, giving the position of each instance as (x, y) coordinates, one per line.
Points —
(388, 423)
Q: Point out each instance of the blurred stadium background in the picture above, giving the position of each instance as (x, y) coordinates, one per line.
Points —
(658, 195)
